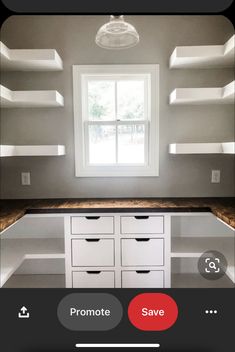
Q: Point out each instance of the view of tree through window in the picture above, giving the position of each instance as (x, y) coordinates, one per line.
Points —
(101, 100)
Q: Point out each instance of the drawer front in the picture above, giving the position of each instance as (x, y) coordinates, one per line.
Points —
(140, 279)
(89, 225)
(142, 224)
(93, 279)
(93, 252)
(142, 251)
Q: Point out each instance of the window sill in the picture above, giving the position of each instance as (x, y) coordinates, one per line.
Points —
(118, 173)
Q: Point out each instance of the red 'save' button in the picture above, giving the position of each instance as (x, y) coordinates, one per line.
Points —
(152, 311)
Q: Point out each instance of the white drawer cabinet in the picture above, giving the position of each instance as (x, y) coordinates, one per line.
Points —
(92, 252)
(142, 224)
(141, 279)
(142, 251)
(117, 250)
(93, 279)
(88, 225)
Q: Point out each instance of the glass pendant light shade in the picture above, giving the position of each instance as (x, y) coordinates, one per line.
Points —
(117, 34)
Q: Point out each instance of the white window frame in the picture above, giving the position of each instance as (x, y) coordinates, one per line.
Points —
(81, 74)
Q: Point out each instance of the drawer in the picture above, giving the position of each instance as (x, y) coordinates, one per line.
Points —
(89, 225)
(92, 279)
(142, 224)
(142, 251)
(152, 278)
(93, 252)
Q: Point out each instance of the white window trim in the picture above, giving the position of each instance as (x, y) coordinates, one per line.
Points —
(121, 170)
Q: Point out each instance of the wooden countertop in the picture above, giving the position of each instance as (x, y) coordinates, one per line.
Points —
(13, 210)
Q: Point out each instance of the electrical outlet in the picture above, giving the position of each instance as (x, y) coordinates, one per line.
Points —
(25, 178)
(215, 176)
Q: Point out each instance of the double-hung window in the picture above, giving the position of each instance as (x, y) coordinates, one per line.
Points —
(116, 120)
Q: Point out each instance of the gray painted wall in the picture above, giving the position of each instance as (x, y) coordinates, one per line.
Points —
(73, 38)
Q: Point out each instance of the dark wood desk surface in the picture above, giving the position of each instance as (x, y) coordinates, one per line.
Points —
(13, 210)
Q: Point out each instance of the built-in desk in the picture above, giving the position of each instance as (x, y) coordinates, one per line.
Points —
(175, 229)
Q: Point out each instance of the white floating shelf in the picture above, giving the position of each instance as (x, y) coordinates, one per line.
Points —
(27, 99)
(197, 96)
(228, 148)
(202, 148)
(31, 150)
(194, 247)
(29, 59)
(15, 251)
(204, 56)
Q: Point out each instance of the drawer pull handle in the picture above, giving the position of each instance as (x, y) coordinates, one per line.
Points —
(92, 239)
(142, 239)
(92, 217)
(142, 271)
(94, 272)
(141, 217)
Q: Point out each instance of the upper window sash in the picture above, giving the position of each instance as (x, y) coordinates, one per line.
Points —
(146, 78)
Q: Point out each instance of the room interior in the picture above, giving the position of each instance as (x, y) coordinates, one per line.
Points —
(117, 151)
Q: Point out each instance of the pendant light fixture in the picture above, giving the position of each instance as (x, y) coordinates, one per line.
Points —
(117, 34)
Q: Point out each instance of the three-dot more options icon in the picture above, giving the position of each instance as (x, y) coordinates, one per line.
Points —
(212, 265)
(23, 313)
(211, 311)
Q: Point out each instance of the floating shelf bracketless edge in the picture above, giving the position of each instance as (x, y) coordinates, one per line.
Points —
(31, 150)
(29, 59)
(198, 96)
(202, 148)
(30, 98)
(204, 56)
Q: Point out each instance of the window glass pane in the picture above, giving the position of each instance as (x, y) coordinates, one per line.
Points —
(102, 145)
(130, 100)
(131, 144)
(101, 100)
